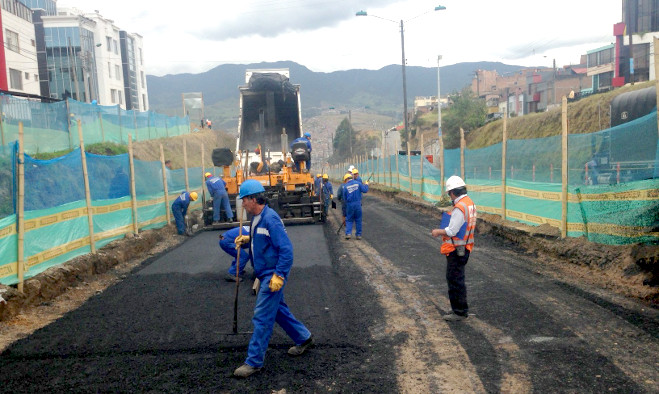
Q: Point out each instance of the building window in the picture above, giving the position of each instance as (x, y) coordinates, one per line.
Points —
(117, 72)
(27, 76)
(144, 101)
(114, 46)
(113, 95)
(34, 44)
(12, 40)
(108, 43)
(15, 79)
(141, 59)
(109, 69)
(36, 78)
(121, 101)
(143, 83)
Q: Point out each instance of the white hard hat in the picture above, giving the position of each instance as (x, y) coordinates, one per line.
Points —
(454, 182)
(351, 167)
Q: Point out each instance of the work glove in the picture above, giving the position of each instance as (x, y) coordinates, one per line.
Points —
(276, 282)
(366, 183)
(240, 240)
(331, 196)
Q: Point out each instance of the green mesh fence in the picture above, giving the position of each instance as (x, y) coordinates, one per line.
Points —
(613, 181)
(52, 127)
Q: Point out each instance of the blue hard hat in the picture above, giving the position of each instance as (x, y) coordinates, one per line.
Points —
(307, 135)
(249, 187)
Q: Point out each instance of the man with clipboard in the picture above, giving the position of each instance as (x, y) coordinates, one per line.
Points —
(457, 231)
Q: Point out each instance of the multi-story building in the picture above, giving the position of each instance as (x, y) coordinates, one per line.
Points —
(132, 57)
(19, 70)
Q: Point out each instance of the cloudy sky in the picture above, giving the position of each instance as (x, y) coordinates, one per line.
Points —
(325, 35)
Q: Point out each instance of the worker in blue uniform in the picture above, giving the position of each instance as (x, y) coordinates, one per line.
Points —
(180, 209)
(328, 194)
(306, 138)
(271, 253)
(217, 189)
(352, 197)
(339, 195)
(227, 243)
(317, 183)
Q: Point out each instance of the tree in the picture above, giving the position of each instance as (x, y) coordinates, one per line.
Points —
(344, 137)
(466, 111)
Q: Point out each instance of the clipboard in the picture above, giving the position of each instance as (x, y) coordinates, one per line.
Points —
(446, 218)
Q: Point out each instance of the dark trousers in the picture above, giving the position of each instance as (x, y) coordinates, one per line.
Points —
(455, 277)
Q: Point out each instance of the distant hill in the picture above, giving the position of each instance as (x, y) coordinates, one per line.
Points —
(380, 90)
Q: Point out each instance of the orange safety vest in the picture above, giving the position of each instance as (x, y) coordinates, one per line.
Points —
(466, 205)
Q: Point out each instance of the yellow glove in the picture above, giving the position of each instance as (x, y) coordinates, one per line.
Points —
(276, 282)
(366, 183)
(331, 196)
(240, 240)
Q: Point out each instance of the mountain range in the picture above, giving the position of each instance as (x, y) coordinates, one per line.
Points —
(380, 90)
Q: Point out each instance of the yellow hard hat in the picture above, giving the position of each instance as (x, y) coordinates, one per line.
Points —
(319, 175)
(208, 174)
(355, 171)
(193, 196)
(325, 176)
(346, 177)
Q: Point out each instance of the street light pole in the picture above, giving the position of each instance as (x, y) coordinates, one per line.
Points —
(439, 129)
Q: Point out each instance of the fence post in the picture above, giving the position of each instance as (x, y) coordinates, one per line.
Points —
(100, 120)
(441, 154)
(133, 194)
(504, 142)
(409, 168)
(88, 197)
(121, 128)
(68, 124)
(164, 182)
(462, 154)
(397, 173)
(135, 125)
(422, 158)
(203, 178)
(2, 125)
(20, 269)
(185, 165)
(564, 168)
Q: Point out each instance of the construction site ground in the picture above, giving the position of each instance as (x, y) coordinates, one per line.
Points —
(153, 313)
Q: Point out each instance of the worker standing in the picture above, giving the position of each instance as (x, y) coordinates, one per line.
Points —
(355, 175)
(271, 252)
(227, 243)
(327, 193)
(180, 209)
(306, 138)
(457, 249)
(352, 196)
(217, 189)
(339, 195)
(317, 184)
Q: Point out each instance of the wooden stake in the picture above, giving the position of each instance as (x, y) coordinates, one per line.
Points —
(21, 208)
(422, 159)
(88, 196)
(133, 194)
(504, 141)
(164, 182)
(100, 120)
(564, 168)
(462, 154)
(185, 165)
(409, 168)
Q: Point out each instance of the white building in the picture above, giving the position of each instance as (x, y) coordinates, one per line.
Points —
(132, 57)
(20, 52)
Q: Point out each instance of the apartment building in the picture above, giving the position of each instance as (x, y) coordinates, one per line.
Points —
(19, 70)
(132, 57)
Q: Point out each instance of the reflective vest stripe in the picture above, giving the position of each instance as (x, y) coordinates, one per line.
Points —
(466, 205)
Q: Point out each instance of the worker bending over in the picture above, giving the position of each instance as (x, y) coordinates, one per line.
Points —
(228, 244)
(271, 253)
(180, 209)
(352, 197)
(217, 189)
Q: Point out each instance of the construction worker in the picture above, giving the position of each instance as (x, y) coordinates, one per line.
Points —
(339, 195)
(180, 209)
(457, 249)
(355, 175)
(317, 184)
(306, 138)
(327, 193)
(352, 196)
(217, 189)
(227, 243)
(271, 252)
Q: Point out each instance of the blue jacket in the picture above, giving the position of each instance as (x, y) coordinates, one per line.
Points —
(317, 184)
(216, 184)
(328, 190)
(302, 139)
(352, 191)
(270, 248)
(182, 202)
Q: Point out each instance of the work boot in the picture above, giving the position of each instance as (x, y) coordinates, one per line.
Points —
(216, 222)
(453, 317)
(232, 278)
(359, 237)
(347, 236)
(245, 371)
(299, 350)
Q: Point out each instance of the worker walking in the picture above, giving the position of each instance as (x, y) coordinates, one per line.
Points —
(271, 252)
(228, 244)
(352, 196)
(327, 193)
(217, 189)
(457, 248)
(180, 209)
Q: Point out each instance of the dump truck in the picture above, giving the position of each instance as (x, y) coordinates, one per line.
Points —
(270, 119)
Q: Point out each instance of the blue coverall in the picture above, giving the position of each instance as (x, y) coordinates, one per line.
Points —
(339, 196)
(306, 141)
(228, 245)
(217, 189)
(327, 192)
(179, 210)
(317, 182)
(271, 252)
(352, 198)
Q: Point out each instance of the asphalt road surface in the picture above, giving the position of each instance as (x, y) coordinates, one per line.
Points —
(374, 307)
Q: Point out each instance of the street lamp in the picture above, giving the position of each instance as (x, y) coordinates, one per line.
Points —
(402, 45)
